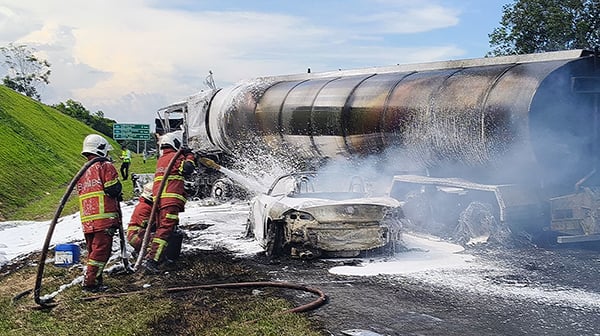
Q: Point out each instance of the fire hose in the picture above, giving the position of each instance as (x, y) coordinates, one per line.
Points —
(236, 285)
(45, 303)
(316, 303)
(38, 280)
(155, 206)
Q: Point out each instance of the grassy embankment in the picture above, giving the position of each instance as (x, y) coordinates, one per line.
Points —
(39, 154)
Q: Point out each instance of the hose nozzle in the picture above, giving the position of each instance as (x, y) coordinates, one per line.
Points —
(209, 163)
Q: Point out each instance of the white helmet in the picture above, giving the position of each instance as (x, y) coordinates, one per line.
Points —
(96, 145)
(147, 192)
(173, 139)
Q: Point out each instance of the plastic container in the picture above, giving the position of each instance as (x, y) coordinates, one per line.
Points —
(65, 255)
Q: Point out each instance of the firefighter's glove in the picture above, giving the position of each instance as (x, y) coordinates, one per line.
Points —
(111, 231)
(187, 169)
(209, 163)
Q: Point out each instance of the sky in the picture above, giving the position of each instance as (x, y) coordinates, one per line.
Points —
(428, 259)
(130, 58)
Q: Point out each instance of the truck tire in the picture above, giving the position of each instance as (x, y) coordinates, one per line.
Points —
(222, 190)
(476, 220)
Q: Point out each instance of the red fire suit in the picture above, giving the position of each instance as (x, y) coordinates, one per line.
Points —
(138, 222)
(99, 192)
(171, 201)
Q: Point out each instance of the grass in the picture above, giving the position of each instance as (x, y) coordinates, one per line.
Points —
(40, 152)
(152, 311)
(43, 208)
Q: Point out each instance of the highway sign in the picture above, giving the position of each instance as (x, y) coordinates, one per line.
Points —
(131, 132)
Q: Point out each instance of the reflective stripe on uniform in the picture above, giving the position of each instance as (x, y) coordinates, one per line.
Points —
(98, 264)
(134, 240)
(111, 183)
(173, 195)
(161, 246)
(91, 194)
(165, 194)
(101, 214)
(180, 168)
(133, 228)
(171, 177)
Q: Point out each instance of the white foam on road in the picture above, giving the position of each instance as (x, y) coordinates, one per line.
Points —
(425, 253)
(429, 260)
(446, 265)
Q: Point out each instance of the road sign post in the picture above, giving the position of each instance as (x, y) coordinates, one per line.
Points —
(131, 132)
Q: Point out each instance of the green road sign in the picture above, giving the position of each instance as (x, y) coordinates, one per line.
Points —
(131, 132)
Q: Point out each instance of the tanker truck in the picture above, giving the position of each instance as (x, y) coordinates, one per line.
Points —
(509, 140)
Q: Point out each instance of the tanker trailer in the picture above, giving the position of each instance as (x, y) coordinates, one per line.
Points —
(516, 135)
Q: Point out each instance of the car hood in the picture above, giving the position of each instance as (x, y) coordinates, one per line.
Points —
(303, 203)
(326, 210)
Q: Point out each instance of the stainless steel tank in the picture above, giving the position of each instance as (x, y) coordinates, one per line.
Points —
(494, 120)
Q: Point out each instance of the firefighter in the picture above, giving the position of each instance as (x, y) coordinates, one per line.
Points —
(171, 201)
(99, 192)
(125, 161)
(139, 218)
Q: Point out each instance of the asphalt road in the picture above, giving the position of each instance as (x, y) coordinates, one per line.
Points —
(511, 291)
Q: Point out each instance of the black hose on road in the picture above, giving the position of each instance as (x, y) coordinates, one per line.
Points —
(236, 285)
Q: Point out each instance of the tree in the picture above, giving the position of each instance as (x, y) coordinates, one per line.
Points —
(533, 26)
(96, 121)
(25, 70)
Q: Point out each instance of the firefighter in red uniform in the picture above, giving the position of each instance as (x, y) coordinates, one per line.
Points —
(172, 200)
(99, 192)
(139, 218)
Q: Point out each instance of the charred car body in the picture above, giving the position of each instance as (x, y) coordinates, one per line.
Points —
(307, 214)
(518, 133)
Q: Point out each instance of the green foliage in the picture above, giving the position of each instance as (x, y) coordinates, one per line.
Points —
(25, 70)
(533, 26)
(40, 154)
(96, 121)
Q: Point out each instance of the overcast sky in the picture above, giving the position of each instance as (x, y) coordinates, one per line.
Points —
(129, 58)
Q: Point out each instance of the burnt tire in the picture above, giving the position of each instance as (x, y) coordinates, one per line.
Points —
(477, 220)
(274, 246)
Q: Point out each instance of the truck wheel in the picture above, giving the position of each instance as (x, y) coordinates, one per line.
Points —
(477, 220)
(222, 190)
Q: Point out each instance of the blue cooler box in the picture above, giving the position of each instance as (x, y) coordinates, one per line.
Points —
(66, 255)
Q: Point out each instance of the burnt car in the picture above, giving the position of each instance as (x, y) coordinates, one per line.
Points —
(310, 214)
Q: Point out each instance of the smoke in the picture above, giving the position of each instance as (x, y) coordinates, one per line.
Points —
(493, 125)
